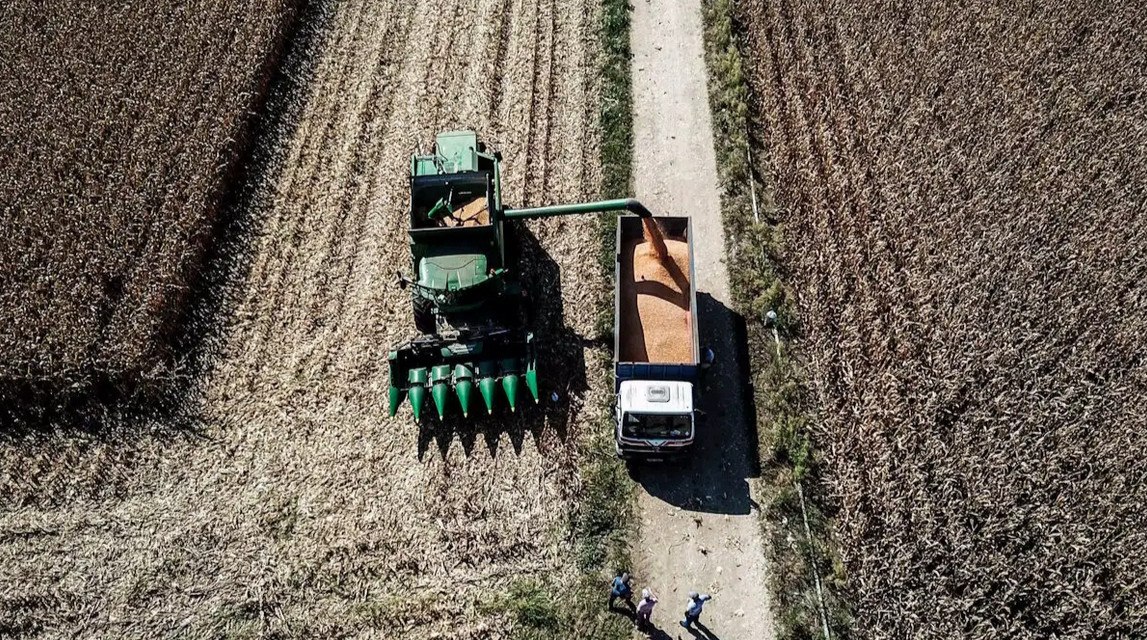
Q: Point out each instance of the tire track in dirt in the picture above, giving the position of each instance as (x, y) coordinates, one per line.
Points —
(346, 167)
(543, 148)
(356, 203)
(329, 182)
(500, 46)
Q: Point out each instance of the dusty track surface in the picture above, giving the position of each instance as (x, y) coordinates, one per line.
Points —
(302, 509)
(699, 524)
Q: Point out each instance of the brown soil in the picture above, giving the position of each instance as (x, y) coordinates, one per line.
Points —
(655, 319)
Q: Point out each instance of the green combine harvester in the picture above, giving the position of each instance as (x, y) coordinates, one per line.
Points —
(466, 295)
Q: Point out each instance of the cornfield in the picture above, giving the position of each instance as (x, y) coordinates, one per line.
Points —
(123, 123)
(962, 189)
(293, 506)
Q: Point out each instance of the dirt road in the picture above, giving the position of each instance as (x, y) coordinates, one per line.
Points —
(699, 521)
(296, 507)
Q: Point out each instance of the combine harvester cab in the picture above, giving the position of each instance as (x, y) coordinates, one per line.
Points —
(466, 296)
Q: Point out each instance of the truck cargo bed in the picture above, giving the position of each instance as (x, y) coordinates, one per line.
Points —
(655, 305)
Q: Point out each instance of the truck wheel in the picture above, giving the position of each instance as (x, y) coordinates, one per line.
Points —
(424, 315)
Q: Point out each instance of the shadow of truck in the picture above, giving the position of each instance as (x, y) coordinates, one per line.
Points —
(713, 477)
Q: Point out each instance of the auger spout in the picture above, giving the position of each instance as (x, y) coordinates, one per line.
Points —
(632, 205)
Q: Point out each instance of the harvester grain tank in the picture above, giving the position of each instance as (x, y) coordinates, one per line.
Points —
(466, 293)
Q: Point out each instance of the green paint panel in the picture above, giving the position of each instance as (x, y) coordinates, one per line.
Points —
(452, 271)
(511, 365)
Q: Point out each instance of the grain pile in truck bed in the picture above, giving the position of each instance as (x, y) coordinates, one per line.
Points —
(655, 319)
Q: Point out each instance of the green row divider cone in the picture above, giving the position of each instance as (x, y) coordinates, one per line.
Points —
(462, 377)
(510, 368)
(463, 385)
(440, 378)
(487, 372)
(532, 380)
(418, 379)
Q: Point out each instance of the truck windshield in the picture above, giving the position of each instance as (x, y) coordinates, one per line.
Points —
(642, 425)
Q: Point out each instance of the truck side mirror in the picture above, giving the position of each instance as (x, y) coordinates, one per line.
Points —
(708, 357)
(700, 417)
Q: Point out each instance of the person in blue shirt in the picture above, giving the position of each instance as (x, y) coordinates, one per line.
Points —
(620, 589)
(693, 608)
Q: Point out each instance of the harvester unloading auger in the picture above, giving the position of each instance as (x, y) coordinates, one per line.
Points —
(467, 297)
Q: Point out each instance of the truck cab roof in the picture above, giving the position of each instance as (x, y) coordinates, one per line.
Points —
(656, 396)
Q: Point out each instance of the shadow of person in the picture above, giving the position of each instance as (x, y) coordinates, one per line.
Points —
(629, 610)
(705, 632)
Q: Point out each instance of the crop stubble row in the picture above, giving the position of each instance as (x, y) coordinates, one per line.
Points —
(122, 127)
(962, 190)
(303, 491)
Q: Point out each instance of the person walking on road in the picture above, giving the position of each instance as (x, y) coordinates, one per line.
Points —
(620, 589)
(693, 609)
(645, 609)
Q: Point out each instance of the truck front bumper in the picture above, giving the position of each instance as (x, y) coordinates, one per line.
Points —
(651, 452)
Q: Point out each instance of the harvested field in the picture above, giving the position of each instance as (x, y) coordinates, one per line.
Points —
(298, 508)
(122, 127)
(962, 191)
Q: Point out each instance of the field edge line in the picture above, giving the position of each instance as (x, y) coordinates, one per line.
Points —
(604, 522)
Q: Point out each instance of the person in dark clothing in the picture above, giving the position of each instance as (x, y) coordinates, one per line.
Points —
(620, 588)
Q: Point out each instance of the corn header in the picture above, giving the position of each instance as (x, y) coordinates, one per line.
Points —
(466, 296)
